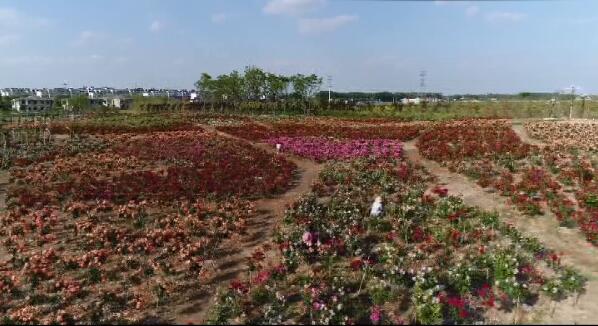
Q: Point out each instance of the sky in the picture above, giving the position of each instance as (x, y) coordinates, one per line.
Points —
(464, 46)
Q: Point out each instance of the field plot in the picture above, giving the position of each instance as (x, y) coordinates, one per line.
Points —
(427, 259)
(138, 219)
(334, 128)
(580, 134)
(558, 177)
(122, 232)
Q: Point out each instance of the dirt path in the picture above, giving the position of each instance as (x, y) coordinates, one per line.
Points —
(519, 129)
(233, 253)
(4, 180)
(571, 243)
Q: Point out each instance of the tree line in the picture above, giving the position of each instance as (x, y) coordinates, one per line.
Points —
(256, 87)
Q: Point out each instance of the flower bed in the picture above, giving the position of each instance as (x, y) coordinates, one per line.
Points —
(323, 149)
(569, 134)
(120, 124)
(326, 128)
(126, 231)
(561, 177)
(471, 139)
(157, 166)
(101, 263)
(427, 259)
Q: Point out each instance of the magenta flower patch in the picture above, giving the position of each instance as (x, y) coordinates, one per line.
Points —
(324, 149)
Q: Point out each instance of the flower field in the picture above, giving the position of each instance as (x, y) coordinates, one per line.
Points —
(326, 128)
(323, 149)
(158, 166)
(120, 231)
(560, 178)
(427, 259)
(110, 219)
(577, 134)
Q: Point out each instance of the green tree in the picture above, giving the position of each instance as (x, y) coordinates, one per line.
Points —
(229, 88)
(206, 87)
(276, 86)
(255, 83)
(305, 87)
(5, 103)
(79, 103)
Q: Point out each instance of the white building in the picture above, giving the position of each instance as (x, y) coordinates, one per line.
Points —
(415, 101)
(32, 104)
(118, 102)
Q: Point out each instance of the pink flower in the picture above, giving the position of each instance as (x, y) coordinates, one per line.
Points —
(262, 277)
(318, 305)
(308, 238)
(376, 314)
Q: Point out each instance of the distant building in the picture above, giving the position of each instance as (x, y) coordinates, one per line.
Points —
(118, 102)
(415, 101)
(32, 104)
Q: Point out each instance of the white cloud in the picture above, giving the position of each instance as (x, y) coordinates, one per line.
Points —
(121, 60)
(11, 18)
(86, 37)
(500, 16)
(472, 11)
(8, 39)
(95, 57)
(292, 7)
(321, 25)
(450, 2)
(27, 60)
(219, 18)
(156, 26)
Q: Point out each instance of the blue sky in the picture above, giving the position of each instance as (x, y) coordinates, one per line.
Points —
(478, 47)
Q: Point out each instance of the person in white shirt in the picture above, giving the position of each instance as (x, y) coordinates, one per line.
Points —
(376, 207)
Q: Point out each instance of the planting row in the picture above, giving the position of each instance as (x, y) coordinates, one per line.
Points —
(309, 128)
(323, 149)
(426, 259)
(577, 134)
(104, 263)
(554, 178)
(157, 166)
(124, 231)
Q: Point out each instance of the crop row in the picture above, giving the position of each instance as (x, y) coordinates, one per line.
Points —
(157, 166)
(555, 178)
(427, 259)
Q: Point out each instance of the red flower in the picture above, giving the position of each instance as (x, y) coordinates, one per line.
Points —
(440, 191)
(356, 264)
(239, 286)
(262, 277)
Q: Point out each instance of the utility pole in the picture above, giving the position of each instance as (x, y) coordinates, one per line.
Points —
(422, 82)
(329, 88)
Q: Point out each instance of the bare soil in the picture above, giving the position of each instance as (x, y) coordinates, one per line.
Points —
(520, 130)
